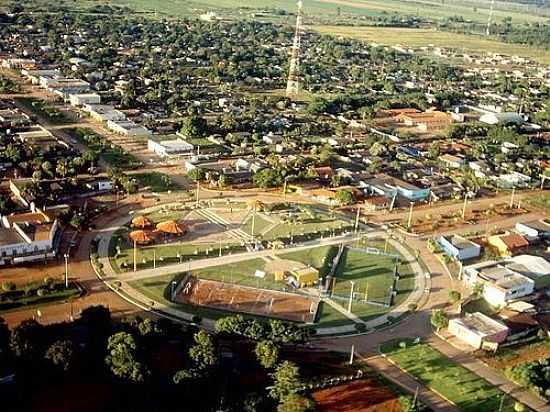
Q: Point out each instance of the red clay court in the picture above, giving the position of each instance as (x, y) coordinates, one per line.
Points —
(244, 299)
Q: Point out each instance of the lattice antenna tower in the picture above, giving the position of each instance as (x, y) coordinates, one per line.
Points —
(293, 83)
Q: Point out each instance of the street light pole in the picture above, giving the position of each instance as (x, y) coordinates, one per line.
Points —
(351, 296)
(66, 256)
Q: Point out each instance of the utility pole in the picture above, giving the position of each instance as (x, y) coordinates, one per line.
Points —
(409, 222)
(351, 296)
(135, 256)
(253, 222)
(357, 218)
(220, 255)
(352, 354)
(198, 190)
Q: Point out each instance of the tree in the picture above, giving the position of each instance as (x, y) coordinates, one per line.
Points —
(439, 319)
(26, 339)
(203, 352)
(4, 337)
(267, 178)
(344, 197)
(121, 358)
(194, 126)
(196, 174)
(286, 381)
(267, 353)
(434, 151)
(296, 403)
(61, 354)
(186, 375)
(454, 296)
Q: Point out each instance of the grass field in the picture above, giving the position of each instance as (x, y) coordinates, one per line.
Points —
(433, 9)
(157, 182)
(541, 201)
(456, 383)
(425, 37)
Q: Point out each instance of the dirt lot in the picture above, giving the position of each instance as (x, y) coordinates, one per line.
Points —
(225, 296)
(359, 396)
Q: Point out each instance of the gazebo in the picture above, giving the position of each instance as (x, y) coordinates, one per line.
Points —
(141, 237)
(171, 227)
(141, 222)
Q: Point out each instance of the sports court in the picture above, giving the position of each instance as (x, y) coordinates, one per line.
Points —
(244, 299)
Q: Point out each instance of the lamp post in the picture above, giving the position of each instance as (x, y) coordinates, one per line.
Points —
(66, 256)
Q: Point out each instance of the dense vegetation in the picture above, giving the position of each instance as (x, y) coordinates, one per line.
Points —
(142, 365)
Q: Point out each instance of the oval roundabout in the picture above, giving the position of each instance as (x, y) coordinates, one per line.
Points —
(288, 261)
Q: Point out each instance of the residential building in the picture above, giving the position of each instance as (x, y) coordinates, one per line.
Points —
(502, 118)
(78, 100)
(128, 128)
(103, 113)
(454, 162)
(390, 186)
(535, 268)
(507, 244)
(169, 146)
(458, 247)
(478, 330)
(500, 283)
(534, 230)
(426, 121)
(28, 237)
(375, 203)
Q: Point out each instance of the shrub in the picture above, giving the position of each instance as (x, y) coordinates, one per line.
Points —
(360, 327)
(8, 286)
(42, 292)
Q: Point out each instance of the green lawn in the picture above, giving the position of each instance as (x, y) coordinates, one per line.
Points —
(319, 257)
(260, 224)
(17, 302)
(163, 254)
(456, 383)
(155, 181)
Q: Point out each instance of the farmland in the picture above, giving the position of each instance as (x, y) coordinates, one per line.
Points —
(426, 37)
(431, 9)
(428, 8)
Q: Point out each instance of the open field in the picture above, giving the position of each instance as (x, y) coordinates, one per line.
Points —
(259, 302)
(456, 383)
(359, 396)
(434, 9)
(425, 37)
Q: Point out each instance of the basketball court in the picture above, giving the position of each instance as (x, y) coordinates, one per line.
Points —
(234, 298)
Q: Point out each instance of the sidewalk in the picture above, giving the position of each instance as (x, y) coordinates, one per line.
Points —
(492, 376)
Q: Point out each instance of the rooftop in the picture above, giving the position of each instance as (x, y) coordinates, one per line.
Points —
(459, 242)
(481, 324)
(10, 237)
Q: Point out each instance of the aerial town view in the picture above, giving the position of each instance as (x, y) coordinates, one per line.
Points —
(274, 206)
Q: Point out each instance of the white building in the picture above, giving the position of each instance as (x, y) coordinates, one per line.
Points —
(103, 113)
(128, 128)
(478, 330)
(78, 100)
(500, 282)
(28, 237)
(169, 146)
(502, 118)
